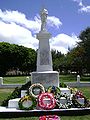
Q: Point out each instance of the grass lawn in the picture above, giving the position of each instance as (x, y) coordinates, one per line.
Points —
(9, 80)
(14, 80)
(73, 78)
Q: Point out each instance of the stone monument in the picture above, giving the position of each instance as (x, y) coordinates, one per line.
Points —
(44, 74)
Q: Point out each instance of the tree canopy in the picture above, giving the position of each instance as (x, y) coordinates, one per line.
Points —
(14, 57)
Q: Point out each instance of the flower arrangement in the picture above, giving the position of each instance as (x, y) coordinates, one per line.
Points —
(52, 98)
(79, 100)
(46, 105)
(27, 103)
(49, 117)
(37, 86)
(66, 105)
(53, 89)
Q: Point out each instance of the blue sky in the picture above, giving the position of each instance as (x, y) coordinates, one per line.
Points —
(20, 21)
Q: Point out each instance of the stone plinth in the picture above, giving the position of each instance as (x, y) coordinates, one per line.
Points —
(47, 78)
(65, 91)
(13, 103)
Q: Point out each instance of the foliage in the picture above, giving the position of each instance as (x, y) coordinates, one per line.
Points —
(63, 85)
(14, 57)
(58, 60)
(85, 44)
(75, 60)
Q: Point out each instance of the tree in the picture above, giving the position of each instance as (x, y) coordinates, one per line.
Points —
(75, 60)
(85, 44)
(16, 57)
(57, 58)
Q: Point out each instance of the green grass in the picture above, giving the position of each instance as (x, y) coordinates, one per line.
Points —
(73, 78)
(22, 118)
(15, 80)
(67, 78)
(85, 117)
(4, 93)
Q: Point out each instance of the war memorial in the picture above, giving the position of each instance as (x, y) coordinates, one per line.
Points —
(45, 96)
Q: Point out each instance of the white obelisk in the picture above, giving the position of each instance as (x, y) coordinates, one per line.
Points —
(44, 74)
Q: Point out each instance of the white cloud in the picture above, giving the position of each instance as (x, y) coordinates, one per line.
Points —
(62, 41)
(79, 2)
(13, 33)
(17, 29)
(20, 18)
(53, 21)
(83, 8)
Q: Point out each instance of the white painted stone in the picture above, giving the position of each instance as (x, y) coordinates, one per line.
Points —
(13, 103)
(27, 79)
(65, 91)
(23, 93)
(78, 78)
(44, 58)
(47, 78)
(1, 80)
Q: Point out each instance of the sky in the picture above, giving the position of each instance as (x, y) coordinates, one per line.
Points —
(20, 22)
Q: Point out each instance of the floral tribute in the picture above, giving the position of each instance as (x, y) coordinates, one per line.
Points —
(50, 104)
(37, 86)
(49, 117)
(27, 103)
(52, 98)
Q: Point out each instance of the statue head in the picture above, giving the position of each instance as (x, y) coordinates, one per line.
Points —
(44, 11)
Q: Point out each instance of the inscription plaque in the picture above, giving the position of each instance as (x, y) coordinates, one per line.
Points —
(44, 57)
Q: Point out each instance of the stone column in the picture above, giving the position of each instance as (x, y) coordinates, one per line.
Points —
(44, 58)
(78, 78)
(1, 80)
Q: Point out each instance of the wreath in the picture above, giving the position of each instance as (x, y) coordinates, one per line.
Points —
(49, 117)
(41, 101)
(63, 106)
(75, 100)
(53, 89)
(27, 103)
(39, 88)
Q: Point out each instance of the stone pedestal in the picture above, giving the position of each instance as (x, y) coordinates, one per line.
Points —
(47, 78)
(65, 91)
(13, 103)
(44, 74)
(44, 58)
